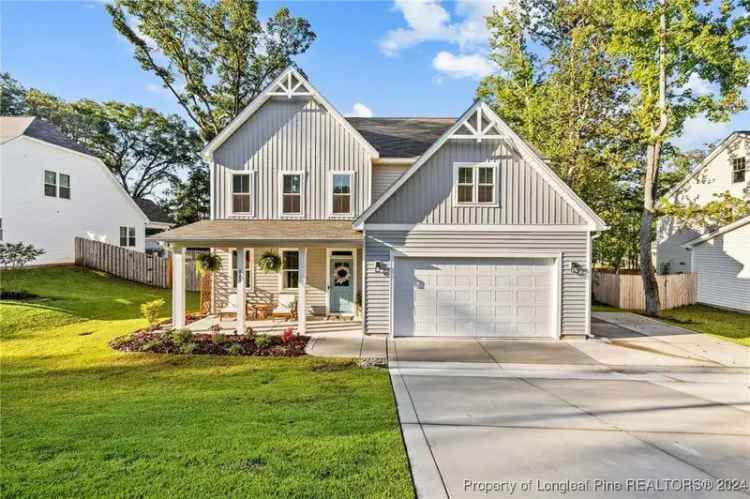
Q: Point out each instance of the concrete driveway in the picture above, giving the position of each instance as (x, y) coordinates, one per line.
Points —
(541, 419)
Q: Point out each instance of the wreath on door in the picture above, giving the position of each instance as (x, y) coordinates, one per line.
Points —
(342, 274)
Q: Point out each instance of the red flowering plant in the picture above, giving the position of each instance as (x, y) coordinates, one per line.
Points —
(287, 336)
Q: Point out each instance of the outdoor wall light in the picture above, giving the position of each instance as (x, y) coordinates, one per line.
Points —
(381, 267)
(577, 269)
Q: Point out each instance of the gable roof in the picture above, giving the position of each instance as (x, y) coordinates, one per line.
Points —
(401, 137)
(12, 127)
(723, 230)
(484, 112)
(153, 211)
(289, 84)
(717, 150)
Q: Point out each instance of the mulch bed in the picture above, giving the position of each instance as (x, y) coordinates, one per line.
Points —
(212, 344)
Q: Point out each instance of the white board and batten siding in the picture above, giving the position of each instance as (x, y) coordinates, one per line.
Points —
(722, 269)
(293, 135)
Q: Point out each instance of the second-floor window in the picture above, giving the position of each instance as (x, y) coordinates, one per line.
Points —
(739, 169)
(127, 236)
(241, 193)
(342, 194)
(475, 184)
(291, 193)
(50, 183)
(64, 186)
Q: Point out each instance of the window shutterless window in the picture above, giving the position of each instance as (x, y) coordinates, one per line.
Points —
(50, 183)
(290, 269)
(64, 186)
(476, 184)
(342, 193)
(1, 229)
(127, 236)
(291, 193)
(739, 169)
(241, 193)
(248, 268)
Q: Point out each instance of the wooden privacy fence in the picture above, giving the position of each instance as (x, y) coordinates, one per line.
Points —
(626, 290)
(132, 265)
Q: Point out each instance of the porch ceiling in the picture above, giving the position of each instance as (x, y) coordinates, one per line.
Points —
(232, 233)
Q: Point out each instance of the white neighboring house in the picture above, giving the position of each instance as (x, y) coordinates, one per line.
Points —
(721, 258)
(52, 190)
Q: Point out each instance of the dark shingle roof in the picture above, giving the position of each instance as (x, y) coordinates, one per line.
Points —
(39, 129)
(401, 137)
(153, 211)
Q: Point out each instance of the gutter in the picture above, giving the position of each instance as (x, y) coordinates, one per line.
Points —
(394, 161)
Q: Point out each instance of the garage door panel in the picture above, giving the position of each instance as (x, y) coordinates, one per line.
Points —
(473, 297)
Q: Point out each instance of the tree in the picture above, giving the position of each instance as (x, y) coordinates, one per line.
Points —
(666, 45)
(214, 58)
(189, 200)
(143, 148)
(13, 257)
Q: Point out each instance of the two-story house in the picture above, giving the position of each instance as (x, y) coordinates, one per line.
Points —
(436, 227)
(53, 190)
(719, 256)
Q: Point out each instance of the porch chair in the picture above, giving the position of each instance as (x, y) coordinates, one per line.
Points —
(286, 308)
(231, 308)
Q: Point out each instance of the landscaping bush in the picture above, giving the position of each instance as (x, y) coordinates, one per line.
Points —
(287, 336)
(236, 349)
(180, 336)
(151, 311)
(189, 348)
(263, 341)
(218, 339)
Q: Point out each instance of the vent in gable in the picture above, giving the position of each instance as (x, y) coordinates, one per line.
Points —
(477, 126)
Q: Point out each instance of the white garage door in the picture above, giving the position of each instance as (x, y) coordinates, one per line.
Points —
(485, 297)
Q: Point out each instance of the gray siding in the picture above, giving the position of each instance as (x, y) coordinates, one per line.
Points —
(572, 245)
(524, 196)
(383, 177)
(291, 135)
(266, 286)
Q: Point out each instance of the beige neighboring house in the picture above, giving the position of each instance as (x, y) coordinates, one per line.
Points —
(417, 226)
(719, 256)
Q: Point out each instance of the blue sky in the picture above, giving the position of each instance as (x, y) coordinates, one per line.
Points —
(402, 58)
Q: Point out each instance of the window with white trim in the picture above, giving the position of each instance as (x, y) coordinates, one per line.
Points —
(739, 169)
(291, 193)
(1, 229)
(127, 236)
(476, 184)
(342, 193)
(50, 183)
(248, 268)
(241, 193)
(64, 186)
(290, 269)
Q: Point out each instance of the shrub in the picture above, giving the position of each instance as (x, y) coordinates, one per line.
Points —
(236, 349)
(190, 347)
(263, 341)
(287, 336)
(218, 339)
(151, 310)
(150, 345)
(180, 336)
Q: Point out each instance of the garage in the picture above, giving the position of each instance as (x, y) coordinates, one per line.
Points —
(481, 297)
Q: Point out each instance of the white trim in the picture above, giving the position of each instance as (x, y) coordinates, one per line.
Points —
(394, 161)
(178, 287)
(475, 166)
(352, 189)
(230, 193)
(212, 193)
(717, 150)
(109, 174)
(282, 289)
(302, 180)
(513, 139)
(707, 237)
(478, 228)
(556, 278)
(251, 256)
(265, 95)
(589, 250)
(329, 256)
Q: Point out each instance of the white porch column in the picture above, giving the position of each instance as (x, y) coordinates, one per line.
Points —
(241, 290)
(301, 305)
(178, 287)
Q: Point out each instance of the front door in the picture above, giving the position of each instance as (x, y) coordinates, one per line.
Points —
(341, 285)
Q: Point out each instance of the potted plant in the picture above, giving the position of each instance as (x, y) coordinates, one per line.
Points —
(269, 262)
(206, 264)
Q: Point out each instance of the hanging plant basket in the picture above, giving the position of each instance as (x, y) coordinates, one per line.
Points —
(207, 263)
(269, 262)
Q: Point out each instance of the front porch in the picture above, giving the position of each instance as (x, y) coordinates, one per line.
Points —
(318, 274)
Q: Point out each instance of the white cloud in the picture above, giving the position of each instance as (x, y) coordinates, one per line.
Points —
(699, 131)
(359, 110)
(462, 66)
(428, 21)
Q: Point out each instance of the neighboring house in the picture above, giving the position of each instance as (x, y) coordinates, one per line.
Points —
(52, 190)
(725, 169)
(443, 227)
(158, 221)
(722, 261)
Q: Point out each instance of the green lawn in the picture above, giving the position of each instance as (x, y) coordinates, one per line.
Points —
(81, 420)
(732, 326)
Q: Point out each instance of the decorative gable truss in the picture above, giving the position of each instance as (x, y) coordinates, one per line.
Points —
(290, 85)
(477, 126)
